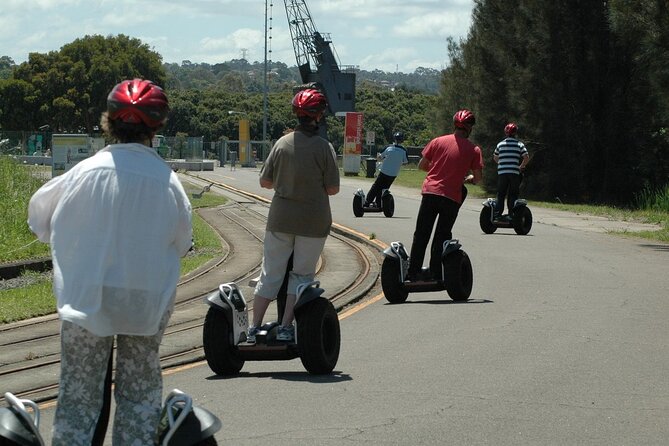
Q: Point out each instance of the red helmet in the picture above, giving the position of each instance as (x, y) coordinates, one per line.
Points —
(310, 103)
(138, 100)
(511, 129)
(464, 119)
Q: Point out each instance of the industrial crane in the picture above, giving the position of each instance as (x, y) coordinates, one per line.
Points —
(316, 59)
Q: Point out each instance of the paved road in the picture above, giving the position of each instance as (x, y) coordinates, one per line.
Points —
(563, 342)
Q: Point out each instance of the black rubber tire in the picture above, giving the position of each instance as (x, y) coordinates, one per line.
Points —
(485, 220)
(522, 220)
(217, 342)
(388, 205)
(211, 441)
(393, 289)
(318, 336)
(358, 211)
(7, 442)
(459, 275)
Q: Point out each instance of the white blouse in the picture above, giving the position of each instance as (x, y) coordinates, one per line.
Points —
(118, 222)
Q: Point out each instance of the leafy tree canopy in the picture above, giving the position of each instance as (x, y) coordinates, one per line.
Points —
(69, 87)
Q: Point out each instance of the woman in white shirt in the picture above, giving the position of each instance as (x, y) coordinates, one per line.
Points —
(117, 222)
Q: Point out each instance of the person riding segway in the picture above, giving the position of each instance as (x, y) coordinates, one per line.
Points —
(379, 198)
(447, 160)
(302, 169)
(511, 157)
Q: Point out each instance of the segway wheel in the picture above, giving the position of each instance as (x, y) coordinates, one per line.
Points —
(522, 220)
(358, 211)
(459, 275)
(217, 342)
(388, 205)
(318, 336)
(390, 281)
(485, 220)
(211, 441)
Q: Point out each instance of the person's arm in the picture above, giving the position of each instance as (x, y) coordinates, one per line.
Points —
(41, 207)
(266, 184)
(424, 164)
(496, 158)
(184, 228)
(475, 177)
(332, 190)
(331, 178)
(523, 163)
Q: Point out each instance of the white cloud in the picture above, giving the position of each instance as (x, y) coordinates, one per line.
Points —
(434, 26)
(29, 6)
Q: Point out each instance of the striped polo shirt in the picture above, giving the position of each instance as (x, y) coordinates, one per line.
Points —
(510, 152)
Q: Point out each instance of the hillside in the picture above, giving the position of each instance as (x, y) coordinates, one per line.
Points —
(241, 75)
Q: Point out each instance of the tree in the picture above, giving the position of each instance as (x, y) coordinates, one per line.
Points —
(71, 85)
(17, 103)
(564, 71)
(6, 66)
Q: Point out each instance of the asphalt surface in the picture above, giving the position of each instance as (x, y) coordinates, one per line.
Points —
(564, 341)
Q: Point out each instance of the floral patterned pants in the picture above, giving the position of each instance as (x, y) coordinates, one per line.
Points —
(137, 392)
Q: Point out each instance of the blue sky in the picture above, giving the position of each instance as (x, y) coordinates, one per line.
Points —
(390, 35)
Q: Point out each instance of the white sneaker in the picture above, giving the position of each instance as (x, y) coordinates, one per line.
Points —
(285, 334)
(251, 335)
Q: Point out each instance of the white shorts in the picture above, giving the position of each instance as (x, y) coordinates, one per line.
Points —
(276, 252)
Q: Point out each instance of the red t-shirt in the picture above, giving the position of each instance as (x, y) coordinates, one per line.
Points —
(451, 158)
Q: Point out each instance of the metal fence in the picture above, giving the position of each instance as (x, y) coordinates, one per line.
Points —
(244, 153)
(169, 147)
(24, 142)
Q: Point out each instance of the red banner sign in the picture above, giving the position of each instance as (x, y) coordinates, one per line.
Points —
(353, 134)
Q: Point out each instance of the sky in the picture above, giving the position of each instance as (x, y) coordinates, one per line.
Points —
(389, 35)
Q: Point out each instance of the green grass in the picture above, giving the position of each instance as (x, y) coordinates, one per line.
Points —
(17, 184)
(37, 298)
(207, 241)
(30, 301)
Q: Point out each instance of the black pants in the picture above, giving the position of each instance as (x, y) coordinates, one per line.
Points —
(507, 183)
(445, 211)
(382, 182)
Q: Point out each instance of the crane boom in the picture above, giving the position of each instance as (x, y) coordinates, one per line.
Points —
(316, 59)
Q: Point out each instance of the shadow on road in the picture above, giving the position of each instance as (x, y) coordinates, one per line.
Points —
(655, 247)
(445, 302)
(334, 377)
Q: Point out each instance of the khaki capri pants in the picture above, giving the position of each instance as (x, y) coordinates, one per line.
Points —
(276, 252)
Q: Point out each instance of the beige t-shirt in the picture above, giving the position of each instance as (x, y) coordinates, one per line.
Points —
(300, 166)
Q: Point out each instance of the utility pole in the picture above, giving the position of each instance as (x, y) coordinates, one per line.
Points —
(264, 97)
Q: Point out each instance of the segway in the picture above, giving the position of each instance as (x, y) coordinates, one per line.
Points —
(181, 423)
(317, 335)
(387, 204)
(18, 426)
(519, 218)
(456, 276)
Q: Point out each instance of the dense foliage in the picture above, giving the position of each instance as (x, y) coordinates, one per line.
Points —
(67, 89)
(206, 113)
(588, 83)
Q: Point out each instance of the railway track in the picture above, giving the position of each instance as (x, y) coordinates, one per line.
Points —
(348, 271)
